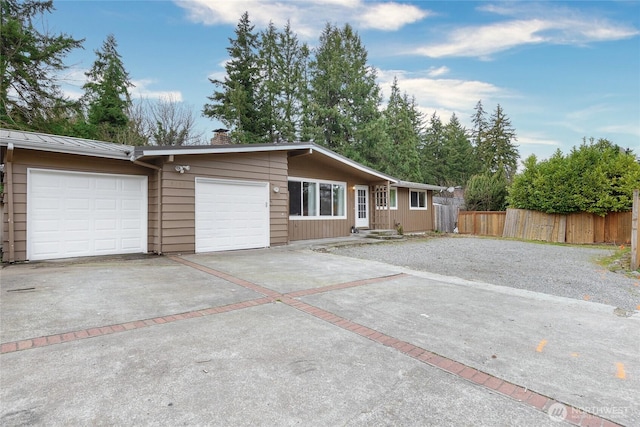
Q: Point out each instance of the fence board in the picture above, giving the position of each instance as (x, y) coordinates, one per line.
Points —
(635, 235)
(533, 225)
(481, 223)
(445, 217)
(578, 228)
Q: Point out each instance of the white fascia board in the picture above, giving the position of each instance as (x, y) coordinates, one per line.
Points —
(248, 148)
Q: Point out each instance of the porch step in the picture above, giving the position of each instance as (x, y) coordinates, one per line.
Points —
(382, 234)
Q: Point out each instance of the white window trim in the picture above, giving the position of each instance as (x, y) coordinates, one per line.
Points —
(426, 200)
(319, 217)
(393, 208)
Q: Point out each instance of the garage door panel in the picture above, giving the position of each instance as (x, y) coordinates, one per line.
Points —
(231, 215)
(82, 214)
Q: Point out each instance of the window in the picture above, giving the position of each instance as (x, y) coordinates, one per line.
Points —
(417, 199)
(314, 199)
(381, 199)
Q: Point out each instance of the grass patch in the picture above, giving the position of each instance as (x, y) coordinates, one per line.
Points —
(619, 261)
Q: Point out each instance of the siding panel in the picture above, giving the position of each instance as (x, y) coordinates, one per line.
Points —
(23, 159)
(178, 192)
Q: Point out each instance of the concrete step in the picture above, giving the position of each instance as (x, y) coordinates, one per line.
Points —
(381, 234)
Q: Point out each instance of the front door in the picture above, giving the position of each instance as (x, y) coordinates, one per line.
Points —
(362, 206)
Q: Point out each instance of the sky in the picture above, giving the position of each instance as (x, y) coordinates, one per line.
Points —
(561, 71)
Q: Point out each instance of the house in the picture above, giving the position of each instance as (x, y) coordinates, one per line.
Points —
(69, 197)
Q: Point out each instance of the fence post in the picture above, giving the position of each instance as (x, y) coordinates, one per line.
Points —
(635, 238)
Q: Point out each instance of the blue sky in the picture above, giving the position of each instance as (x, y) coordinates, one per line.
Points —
(560, 70)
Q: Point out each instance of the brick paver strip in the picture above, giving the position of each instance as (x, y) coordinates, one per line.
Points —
(468, 373)
(225, 276)
(306, 292)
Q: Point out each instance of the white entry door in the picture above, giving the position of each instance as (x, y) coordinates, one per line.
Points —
(231, 215)
(362, 206)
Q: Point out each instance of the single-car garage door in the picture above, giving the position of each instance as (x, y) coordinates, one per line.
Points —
(231, 215)
(72, 214)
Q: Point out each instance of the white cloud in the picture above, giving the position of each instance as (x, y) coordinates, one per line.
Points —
(437, 72)
(531, 139)
(481, 41)
(628, 128)
(390, 16)
(307, 18)
(141, 90)
(533, 25)
(443, 96)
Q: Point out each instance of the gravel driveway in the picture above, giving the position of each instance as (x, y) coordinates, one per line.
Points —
(566, 271)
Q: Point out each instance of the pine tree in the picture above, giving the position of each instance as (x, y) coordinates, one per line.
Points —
(292, 60)
(30, 97)
(499, 151)
(281, 59)
(344, 94)
(433, 154)
(479, 120)
(107, 94)
(235, 103)
(401, 158)
(461, 163)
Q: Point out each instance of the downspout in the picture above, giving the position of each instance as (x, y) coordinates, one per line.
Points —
(158, 169)
(10, 211)
(388, 186)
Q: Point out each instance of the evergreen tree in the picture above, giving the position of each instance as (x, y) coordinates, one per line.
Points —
(433, 154)
(597, 177)
(344, 96)
(486, 192)
(480, 125)
(30, 98)
(269, 84)
(461, 163)
(107, 94)
(498, 151)
(235, 103)
(280, 86)
(292, 60)
(400, 156)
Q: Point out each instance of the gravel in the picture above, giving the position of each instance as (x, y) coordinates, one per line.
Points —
(566, 271)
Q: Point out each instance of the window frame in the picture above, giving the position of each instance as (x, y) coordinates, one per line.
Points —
(426, 200)
(393, 200)
(317, 201)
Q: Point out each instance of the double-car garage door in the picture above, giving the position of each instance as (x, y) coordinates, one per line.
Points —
(73, 214)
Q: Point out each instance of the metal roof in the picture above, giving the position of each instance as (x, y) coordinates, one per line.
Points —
(151, 151)
(88, 147)
(419, 186)
(64, 144)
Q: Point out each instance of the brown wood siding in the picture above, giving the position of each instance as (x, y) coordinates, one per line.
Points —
(412, 220)
(24, 159)
(178, 193)
(307, 229)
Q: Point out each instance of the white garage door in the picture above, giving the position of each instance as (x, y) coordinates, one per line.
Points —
(231, 215)
(71, 214)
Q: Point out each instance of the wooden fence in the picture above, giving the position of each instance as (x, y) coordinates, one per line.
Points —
(615, 227)
(445, 217)
(481, 223)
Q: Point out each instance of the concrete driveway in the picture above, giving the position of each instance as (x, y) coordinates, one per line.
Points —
(289, 336)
